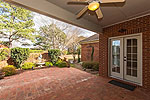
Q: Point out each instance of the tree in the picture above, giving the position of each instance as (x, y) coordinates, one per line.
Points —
(5, 43)
(73, 40)
(15, 23)
(50, 37)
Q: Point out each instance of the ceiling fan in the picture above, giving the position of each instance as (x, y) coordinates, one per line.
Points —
(93, 5)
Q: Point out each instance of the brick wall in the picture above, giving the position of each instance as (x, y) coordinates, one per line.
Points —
(86, 52)
(139, 25)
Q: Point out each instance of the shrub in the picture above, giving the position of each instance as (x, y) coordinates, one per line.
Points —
(54, 55)
(9, 70)
(36, 51)
(95, 66)
(19, 55)
(4, 54)
(28, 65)
(72, 65)
(91, 65)
(58, 62)
(62, 64)
(48, 64)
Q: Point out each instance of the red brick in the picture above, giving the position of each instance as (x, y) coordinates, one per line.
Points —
(86, 52)
(139, 25)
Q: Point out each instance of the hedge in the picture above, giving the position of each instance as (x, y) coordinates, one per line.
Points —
(36, 51)
(19, 55)
(28, 65)
(54, 55)
(9, 70)
(91, 65)
(48, 64)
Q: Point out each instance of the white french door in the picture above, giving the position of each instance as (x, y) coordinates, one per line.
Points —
(116, 57)
(126, 58)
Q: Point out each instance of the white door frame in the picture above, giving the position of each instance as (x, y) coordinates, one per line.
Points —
(119, 75)
(127, 77)
(141, 63)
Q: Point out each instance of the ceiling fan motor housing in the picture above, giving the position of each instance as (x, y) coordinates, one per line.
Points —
(93, 6)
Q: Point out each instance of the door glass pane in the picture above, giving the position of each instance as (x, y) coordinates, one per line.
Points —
(128, 42)
(134, 73)
(129, 64)
(129, 49)
(134, 49)
(129, 71)
(128, 57)
(116, 56)
(134, 65)
(132, 57)
(134, 42)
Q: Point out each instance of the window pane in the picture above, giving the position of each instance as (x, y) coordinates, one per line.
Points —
(129, 42)
(134, 42)
(134, 65)
(128, 56)
(134, 57)
(116, 56)
(134, 50)
(134, 73)
(128, 50)
(129, 64)
(128, 71)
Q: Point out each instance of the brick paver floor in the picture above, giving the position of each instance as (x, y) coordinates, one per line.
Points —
(64, 84)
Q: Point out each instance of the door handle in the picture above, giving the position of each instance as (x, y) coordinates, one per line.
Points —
(125, 58)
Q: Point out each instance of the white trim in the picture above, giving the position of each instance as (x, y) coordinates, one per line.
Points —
(122, 36)
(86, 42)
(120, 74)
(126, 20)
(129, 77)
(141, 36)
(109, 49)
(141, 64)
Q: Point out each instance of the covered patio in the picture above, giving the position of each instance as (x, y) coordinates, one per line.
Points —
(124, 48)
(64, 84)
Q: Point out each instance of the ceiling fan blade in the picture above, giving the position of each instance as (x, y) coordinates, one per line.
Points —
(82, 11)
(78, 2)
(111, 1)
(99, 13)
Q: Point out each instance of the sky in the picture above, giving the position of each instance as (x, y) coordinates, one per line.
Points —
(41, 20)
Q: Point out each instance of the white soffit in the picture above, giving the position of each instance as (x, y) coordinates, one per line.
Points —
(52, 10)
(113, 13)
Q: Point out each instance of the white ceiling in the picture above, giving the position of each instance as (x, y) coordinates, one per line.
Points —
(113, 13)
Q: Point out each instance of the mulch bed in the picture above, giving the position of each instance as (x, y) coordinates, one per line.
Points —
(36, 68)
(91, 71)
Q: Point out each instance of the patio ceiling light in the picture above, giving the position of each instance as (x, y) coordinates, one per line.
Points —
(93, 6)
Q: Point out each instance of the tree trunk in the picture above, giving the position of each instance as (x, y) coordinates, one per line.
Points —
(10, 43)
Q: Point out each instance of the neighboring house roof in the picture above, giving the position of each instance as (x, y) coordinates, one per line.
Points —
(92, 39)
(2, 46)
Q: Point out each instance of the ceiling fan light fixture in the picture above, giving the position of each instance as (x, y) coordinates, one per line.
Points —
(93, 6)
